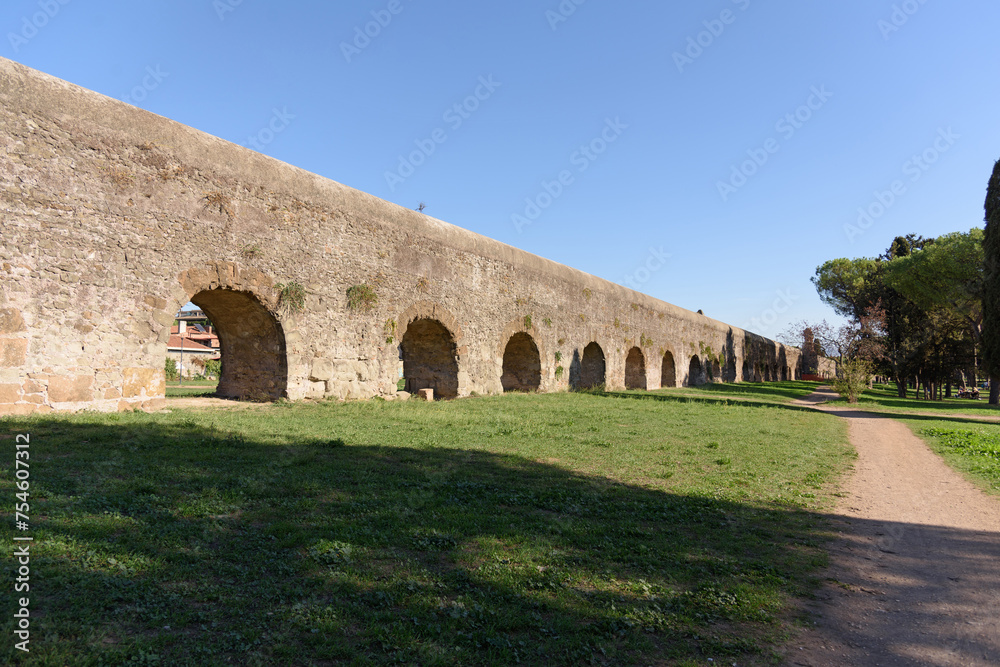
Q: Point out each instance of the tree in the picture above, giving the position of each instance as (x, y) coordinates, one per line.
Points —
(944, 279)
(846, 284)
(947, 274)
(858, 346)
(991, 290)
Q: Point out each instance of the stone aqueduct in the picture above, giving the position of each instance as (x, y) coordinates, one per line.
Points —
(113, 218)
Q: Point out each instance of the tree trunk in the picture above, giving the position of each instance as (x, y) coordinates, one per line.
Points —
(994, 390)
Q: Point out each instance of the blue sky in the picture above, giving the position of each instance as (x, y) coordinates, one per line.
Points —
(711, 154)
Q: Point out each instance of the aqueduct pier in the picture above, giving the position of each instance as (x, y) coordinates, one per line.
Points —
(113, 218)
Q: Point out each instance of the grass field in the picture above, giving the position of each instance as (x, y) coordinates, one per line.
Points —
(559, 529)
(883, 399)
(192, 388)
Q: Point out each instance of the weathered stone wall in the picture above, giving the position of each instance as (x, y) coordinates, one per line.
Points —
(113, 218)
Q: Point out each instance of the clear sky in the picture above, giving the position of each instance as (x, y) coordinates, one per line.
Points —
(711, 154)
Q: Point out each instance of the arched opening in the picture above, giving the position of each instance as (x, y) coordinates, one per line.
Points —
(695, 372)
(746, 373)
(429, 358)
(767, 373)
(635, 369)
(522, 365)
(731, 371)
(715, 371)
(784, 373)
(252, 343)
(592, 367)
(668, 375)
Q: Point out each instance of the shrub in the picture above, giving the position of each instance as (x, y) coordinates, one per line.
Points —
(170, 368)
(852, 378)
(213, 367)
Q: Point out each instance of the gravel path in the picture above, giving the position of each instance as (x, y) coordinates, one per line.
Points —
(914, 576)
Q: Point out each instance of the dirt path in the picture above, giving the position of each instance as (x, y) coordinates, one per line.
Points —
(914, 576)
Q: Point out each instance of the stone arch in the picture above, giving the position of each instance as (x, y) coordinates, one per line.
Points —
(593, 368)
(714, 371)
(635, 369)
(668, 371)
(695, 375)
(522, 364)
(431, 349)
(545, 365)
(242, 305)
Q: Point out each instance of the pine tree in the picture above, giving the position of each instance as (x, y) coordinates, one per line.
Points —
(991, 274)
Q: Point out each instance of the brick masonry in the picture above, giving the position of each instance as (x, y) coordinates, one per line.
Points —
(113, 218)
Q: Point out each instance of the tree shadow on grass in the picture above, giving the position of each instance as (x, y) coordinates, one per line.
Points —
(785, 389)
(175, 542)
(706, 400)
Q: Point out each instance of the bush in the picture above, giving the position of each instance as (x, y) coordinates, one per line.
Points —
(170, 367)
(213, 367)
(853, 378)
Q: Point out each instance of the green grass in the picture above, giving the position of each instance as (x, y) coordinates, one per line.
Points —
(883, 399)
(192, 388)
(972, 449)
(558, 529)
(724, 393)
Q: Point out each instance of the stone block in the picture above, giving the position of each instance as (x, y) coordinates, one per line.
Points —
(135, 381)
(70, 388)
(20, 409)
(426, 394)
(403, 395)
(10, 393)
(322, 370)
(11, 321)
(13, 352)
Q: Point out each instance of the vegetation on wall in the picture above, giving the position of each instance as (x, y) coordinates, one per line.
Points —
(291, 296)
(390, 331)
(361, 297)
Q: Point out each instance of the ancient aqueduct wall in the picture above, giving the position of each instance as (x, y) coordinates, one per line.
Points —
(113, 218)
